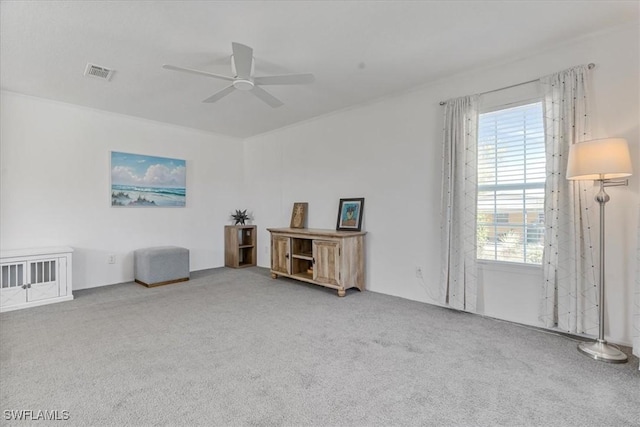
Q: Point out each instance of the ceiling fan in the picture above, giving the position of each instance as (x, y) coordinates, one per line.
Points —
(242, 67)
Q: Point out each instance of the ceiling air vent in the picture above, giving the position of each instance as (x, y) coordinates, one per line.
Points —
(98, 72)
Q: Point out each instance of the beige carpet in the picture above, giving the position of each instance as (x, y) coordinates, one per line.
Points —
(234, 347)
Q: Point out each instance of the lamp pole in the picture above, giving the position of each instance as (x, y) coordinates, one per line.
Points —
(601, 350)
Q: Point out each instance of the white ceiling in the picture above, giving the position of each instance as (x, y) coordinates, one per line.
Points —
(358, 50)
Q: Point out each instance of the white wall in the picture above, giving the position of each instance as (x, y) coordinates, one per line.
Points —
(55, 183)
(390, 152)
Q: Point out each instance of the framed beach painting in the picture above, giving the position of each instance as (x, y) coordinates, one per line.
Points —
(147, 181)
(350, 214)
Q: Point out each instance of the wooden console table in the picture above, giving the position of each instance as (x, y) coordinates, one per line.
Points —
(334, 259)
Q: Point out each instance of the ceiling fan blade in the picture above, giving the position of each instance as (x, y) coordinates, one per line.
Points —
(220, 94)
(242, 57)
(192, 71)
(266, 97)
(285, 79)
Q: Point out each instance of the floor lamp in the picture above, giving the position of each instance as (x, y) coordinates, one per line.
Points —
(605, 161)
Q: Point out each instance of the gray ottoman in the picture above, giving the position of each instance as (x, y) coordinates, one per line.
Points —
(161, 265)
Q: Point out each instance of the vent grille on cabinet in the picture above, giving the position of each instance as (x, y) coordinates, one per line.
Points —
(98, 72)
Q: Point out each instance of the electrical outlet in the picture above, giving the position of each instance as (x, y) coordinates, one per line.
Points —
(111, 259)
(419, 272)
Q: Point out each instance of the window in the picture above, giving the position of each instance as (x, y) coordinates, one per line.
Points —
(511, 177)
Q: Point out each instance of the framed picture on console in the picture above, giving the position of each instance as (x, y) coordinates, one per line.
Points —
(350, 214)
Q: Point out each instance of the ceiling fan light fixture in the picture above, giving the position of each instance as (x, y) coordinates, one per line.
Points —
(243, 84)
(242, 68)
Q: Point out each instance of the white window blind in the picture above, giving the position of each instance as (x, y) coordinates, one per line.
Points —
(511, 177)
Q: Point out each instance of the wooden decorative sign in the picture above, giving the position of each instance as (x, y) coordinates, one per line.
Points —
(299, 215)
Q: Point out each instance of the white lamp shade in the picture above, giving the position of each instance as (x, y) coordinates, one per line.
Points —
(606, 158)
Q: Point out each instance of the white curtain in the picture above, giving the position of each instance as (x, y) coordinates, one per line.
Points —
(458, 284)
(569, 297)
(636, 313)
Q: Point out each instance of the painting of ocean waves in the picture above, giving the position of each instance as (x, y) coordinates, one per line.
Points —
(147, 181)
(126, 195)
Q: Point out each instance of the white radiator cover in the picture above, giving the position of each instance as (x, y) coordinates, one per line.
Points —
(33, 277)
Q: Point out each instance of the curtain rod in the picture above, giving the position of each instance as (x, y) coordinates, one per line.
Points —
(591, 65)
